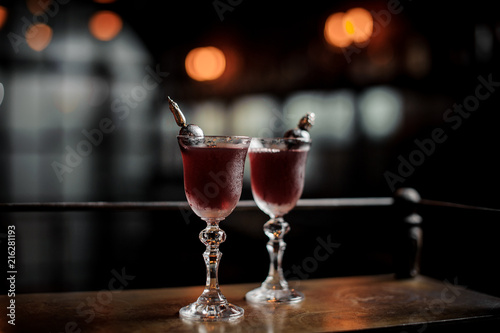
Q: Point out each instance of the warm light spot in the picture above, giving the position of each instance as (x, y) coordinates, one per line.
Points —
(105, 25)
(3, 16)
(335, 32)
(38, 36)
(38, 7)
(349, 27)
(342, 29)
(205, 63)
(358, 23)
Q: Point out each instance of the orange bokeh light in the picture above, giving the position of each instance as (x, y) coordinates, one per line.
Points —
(105, 25)
(358, 24)
(38, 36)
(3, 16)
(335, 33)
(342, 29)
(205, 63)
(38, 7)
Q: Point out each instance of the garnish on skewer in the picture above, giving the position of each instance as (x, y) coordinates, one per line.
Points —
(180, 119)
(302, 129)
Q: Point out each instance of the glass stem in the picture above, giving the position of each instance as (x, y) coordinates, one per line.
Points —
(212, 236)
(275, 229)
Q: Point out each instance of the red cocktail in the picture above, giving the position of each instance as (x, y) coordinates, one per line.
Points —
(277, 178)
(277, 175)
(213, 178)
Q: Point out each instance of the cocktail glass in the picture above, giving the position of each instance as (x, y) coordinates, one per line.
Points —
(213, 179)
(277, 170)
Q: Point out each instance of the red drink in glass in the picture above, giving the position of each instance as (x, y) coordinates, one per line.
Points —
(277, 178)
(277, 171)
(213, 178)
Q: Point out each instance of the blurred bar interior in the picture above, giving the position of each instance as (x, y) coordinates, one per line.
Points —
(84, 117)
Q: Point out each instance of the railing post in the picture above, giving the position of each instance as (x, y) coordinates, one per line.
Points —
(408, 233)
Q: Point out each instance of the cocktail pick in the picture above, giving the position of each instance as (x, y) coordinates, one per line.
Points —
(180, 119)
(302, 129)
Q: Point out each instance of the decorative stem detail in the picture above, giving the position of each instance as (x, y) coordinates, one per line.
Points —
(275, 229)
(212, 236)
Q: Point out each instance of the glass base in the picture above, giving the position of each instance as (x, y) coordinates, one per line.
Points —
(205, 312)
(273, 296)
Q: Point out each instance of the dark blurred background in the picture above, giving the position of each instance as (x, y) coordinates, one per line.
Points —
(83, 117)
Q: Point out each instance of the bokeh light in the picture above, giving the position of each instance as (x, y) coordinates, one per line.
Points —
(335, 32)
(381, 110)
(257, 115)
(2, 93)
(3, 16)
(69, 95)
(358, 24)
(336, 109)
(339, 114)
(38, 36)
(205, 63)
(354, 26)
(212, 115)
(105, 25)
(38, 7)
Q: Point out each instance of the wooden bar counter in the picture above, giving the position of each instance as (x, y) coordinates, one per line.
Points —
(341, 304)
